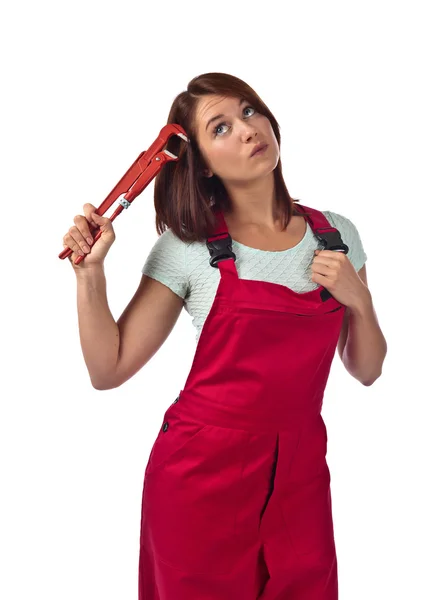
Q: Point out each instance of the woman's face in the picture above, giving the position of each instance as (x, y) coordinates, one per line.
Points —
(227, 141)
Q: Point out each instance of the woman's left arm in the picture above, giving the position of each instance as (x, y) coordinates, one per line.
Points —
(362, 346)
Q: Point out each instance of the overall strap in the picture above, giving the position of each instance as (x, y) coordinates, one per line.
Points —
(219, 243)
(329, 236)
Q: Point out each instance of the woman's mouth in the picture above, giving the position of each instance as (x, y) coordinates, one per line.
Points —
(260, 151)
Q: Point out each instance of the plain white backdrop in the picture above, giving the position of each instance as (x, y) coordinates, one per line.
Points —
(357, 90)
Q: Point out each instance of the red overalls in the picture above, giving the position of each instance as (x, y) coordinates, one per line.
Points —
(236, 497)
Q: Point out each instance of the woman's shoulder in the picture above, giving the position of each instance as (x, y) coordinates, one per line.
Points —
(338, 219)
(166, 262)
(350, 235)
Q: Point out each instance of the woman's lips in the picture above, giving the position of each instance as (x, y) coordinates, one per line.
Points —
(260, 151)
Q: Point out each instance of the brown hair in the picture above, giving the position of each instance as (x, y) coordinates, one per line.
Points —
(184, 199)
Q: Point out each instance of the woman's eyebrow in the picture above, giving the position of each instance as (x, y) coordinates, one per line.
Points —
(219, 116)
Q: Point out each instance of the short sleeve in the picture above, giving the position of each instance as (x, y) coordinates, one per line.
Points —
(166, 263)
(350, 236)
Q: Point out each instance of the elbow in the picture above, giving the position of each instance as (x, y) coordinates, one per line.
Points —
(369, 382)
(104, 385)
(108, 381)
(100, 387)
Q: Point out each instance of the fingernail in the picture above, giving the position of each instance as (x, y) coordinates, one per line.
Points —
(89, 240)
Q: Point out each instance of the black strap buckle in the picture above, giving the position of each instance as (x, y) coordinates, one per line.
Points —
(220, 250)
(331, 240)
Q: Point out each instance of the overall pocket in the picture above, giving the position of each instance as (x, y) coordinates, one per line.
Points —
(175, 436)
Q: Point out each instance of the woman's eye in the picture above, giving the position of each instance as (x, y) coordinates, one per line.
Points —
(220, 124)
(217, 127)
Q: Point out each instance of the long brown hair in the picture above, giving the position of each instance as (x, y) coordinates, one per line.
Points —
(184, 199)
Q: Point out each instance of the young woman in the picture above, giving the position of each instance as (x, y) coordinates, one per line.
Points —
(236, 499)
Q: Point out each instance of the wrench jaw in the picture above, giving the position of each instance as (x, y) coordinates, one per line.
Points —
(173, 145)
(166, 133)
(173, 129)
(153, 159)
(156, 161)
(139, 175)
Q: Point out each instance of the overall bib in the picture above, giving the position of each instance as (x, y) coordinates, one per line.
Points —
(236, 498)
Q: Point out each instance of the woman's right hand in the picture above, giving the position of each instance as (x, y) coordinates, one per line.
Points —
(86, 227)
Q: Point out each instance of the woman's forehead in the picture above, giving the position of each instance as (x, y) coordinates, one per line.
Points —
(214, 106)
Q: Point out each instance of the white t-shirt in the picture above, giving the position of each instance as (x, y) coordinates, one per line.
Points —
(184, 266)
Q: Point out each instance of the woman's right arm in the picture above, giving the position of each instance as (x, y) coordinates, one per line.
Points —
(115, 351)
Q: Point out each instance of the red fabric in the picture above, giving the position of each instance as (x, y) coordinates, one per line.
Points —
(236, 499)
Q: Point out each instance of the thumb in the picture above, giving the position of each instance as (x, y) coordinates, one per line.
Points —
(99, 220)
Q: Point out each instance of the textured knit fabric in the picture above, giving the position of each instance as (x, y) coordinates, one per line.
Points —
(184, 266)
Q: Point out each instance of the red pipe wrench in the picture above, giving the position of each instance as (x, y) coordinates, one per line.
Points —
(134, 181)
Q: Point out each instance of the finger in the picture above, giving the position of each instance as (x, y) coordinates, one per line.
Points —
(321, 268)
(88, 209)
(69, 242)
(330, 260)
(84, 228)
(99, 220)
(322, 259)
(320, 279)
(330, 254)
(81, 244)
(105, 225)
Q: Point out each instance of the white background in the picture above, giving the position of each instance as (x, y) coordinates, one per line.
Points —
(357, 90)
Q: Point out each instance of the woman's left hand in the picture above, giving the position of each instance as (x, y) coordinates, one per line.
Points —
(334, 271)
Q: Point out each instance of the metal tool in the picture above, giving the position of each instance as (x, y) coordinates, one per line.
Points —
(134, 181)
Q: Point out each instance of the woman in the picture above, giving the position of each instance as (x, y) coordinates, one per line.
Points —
(236, 500)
